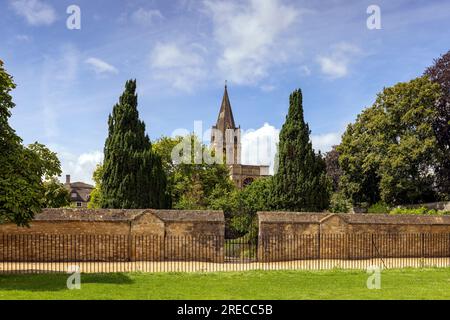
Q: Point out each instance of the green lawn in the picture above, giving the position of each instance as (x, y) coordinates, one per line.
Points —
(395, 284)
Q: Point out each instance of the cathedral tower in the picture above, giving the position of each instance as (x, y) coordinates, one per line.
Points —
(225, 136)
(226, 140)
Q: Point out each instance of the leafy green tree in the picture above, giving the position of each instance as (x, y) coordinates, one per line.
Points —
(96, 196)
(439, 73)
(339, 203)
(56, 194)
(379, 207)
(21, 169)
(418, 211)
(47, 160)
(250, 200)
(240, 206)
(390, 152)
(8, 137)
(360, 177)
(133, 176)
(191, 184)
(194, 197)
(164, 147)
(301, 183)
(333, 169)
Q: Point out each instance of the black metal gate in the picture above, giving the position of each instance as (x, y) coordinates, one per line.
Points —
(240, 247)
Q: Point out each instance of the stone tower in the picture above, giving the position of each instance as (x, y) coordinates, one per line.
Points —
(225, 136)
(226, 140)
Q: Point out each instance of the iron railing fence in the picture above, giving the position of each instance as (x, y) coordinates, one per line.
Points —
(44, 253)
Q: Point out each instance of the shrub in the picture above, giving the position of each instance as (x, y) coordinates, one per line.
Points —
(418, 211)
(339, 203)
(379, 207)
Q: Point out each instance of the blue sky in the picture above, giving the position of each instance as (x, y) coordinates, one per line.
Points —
(181, 52)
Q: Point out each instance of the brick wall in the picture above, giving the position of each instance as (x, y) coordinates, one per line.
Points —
(157, 235)
(69, 227)
(190, 240)
(292, 236)
(114, 235)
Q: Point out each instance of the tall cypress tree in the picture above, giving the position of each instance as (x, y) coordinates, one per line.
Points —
(133, 176)
(300, 183)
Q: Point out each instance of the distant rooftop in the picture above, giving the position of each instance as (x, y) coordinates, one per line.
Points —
(81, 185)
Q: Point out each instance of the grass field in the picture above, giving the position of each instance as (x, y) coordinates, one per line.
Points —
(336, 284)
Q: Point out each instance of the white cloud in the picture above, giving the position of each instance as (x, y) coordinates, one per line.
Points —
(80, 167)
(250, 35)
(23, 37)
(101, 67)
(305, 71)
(336, 64)
(59, 75)
(146, 17)
(182, 68)
(332, 68)
(324, 142)
(35, 12)
(259, 146)
(268, 87)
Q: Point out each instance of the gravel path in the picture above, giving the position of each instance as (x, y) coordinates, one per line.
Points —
(183, 266)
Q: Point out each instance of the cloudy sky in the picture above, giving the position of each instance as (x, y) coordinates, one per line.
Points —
(181, 52)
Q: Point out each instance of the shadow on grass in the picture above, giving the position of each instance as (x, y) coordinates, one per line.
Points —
(57, 281)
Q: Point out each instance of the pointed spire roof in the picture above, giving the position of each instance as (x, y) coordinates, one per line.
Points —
(225, 119)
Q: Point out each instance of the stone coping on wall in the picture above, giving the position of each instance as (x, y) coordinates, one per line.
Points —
(365, 218)
(410, 219)
(189, 215)
(283, 216)
(87, 215)
(125, 215)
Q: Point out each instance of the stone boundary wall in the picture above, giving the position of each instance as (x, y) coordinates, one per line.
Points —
(108, 248)
(171, 235)
(294, 235)
(115, 235)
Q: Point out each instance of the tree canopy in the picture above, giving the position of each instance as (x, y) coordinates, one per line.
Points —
(96, 196)
(390, 153)
(240, 206)
(22, 169)
(56, 195)
(301, 183)
(190, 184)
(439, 73)
(133, 176)
(334, 171)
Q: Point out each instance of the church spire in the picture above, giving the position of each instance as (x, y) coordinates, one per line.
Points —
(225, 137)
(225, 119)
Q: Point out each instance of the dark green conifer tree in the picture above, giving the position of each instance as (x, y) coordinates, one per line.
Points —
(301, 183)
(133, 176)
